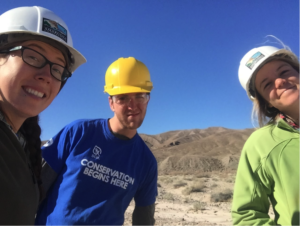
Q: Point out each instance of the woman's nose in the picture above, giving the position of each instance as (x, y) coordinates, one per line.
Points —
(44, 73)
(279, 82)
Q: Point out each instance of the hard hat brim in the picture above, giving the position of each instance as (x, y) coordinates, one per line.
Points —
(79, 58)
(127, 89)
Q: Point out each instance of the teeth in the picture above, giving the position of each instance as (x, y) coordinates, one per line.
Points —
(34, 92)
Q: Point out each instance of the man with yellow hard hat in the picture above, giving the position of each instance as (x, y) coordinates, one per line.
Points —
(98, 166)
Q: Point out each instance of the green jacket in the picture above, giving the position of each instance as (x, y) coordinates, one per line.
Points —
(268, 169)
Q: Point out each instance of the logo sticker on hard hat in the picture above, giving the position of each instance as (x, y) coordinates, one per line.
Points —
(55, 28)
(254, 59)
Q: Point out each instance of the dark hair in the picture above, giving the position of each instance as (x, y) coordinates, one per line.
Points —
(32, 131)
(261, 109)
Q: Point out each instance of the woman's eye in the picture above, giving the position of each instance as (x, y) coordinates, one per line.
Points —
(284, 73)
(57, 71)
(33, 58)
(266, 86)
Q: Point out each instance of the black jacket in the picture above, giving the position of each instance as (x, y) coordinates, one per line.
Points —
(19, 194)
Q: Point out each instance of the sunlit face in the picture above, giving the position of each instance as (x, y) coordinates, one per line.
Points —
(26, 91)
(131, 115)
(278, 83)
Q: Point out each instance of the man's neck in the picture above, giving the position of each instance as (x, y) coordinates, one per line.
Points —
(119, 131)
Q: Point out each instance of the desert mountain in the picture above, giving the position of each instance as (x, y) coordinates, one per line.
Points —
(197, 150)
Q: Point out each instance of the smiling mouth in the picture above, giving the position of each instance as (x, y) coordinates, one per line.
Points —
(133, 114)
(34, 92)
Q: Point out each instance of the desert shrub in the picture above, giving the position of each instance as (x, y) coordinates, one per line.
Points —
(215, 179)
(214, 185)
(197, 187)
(189, 177)
(179, 184)
(187, 191)
(166, 180)
(223, 196)
(203, 175)
(168, 196)
(229, 181)
(199, 206)
(186, 200)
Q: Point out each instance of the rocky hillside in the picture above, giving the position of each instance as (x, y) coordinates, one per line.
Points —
(196, 151)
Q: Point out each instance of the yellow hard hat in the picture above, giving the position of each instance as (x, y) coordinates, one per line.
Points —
(127, 75)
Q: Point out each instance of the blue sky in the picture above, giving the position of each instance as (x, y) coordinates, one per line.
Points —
(192, 49)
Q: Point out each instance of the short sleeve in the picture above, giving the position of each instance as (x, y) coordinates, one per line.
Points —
(57, 149)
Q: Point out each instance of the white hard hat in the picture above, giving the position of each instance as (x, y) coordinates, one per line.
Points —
(250, 62)
(38, 23)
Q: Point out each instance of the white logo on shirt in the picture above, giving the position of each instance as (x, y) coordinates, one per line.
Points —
(96, 152)
(105, 174)
(48, 143)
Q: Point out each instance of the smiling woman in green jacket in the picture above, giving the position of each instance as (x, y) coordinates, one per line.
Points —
(268, 170)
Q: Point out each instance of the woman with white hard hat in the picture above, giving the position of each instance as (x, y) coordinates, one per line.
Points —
(268, 170)
(36, 59)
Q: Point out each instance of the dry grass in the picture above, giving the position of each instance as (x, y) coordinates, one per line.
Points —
(199, 206)
(197, 187)
(179, 184)
(214, 185)
(223, 196)
(168, 196)
(229, 181)
(203, 175)
(189, 177)
(166, 180)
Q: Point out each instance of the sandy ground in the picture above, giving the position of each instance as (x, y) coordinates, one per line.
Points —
(204, 199)
(185, 200)
(168, 213)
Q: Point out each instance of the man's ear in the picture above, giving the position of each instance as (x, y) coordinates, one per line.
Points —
(148, 100)
(111, 103)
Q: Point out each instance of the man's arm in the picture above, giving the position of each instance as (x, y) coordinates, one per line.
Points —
(143, 215)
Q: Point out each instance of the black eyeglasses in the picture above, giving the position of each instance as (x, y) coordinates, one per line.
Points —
(37, 60)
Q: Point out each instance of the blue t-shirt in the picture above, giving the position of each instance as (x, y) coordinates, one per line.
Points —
(98, 175)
